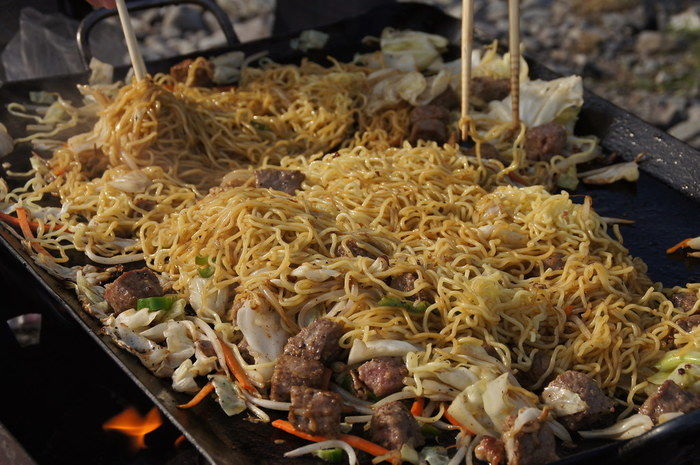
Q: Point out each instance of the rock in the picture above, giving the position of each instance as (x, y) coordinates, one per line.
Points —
(183, 18)
(668, 112)
(649, 42)
(217, 39)
(687, 130)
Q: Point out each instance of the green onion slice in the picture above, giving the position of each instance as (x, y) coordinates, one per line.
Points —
(155, 304)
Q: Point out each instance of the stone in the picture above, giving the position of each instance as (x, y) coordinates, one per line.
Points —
(183, 18)
(649, 42)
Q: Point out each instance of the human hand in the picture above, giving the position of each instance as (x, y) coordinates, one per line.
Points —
(103, 3)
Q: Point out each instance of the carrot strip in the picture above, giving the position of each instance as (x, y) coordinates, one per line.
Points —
(680, 245)
(236, 368)
(453, 421)
(201, 395)
(417, 407)
(32, 224)
(569, 309)
(354, 441)
(27, 231)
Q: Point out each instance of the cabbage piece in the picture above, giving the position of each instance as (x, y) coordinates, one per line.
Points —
(468, 410)
(361, 351)
(262, 329)
(131, 181)
(504, 232)
(543, 102)
(500, 401)
(227, 394)
(183, 378)
(629, 171)
(100, 73)
(391, 87)
(410, 50)
(628, 428)
(314, 272)
(7, 145)
(150, 353)
(203, 298)
(309, 40)
(563, 401)
(227, 67)
(568, 179)
(137, 319)
(434, 455)
(459, 378)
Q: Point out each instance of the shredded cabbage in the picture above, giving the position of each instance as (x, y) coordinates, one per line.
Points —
(628, 428)
(228, 397)
(411, 50)
(361, 351)
(309, 40)
(628, 171)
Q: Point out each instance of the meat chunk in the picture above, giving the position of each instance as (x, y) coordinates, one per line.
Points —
(123, 292)
(405, 282)
(393, 426)
(491, 451)
(669, 398)
(531, 444)
(205, 347)
(554, 261)
(437, 112)
(448, 98)
(689, 323)
(577, 400)
(545, 141)
(244, 350)
(384, 375)
(203, 74)
(485, 89)
(318, 341)
(287, 181)
(488, 151)
(538, 367)
(293, 371)
(428, 129)
(315, 411)
(145, 204)
(351, 248)
(684, 300)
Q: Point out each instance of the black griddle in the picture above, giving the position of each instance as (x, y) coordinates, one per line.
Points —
(664, 204)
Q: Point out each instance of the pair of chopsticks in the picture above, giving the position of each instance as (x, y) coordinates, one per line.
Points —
(514, 49)
(131, 44)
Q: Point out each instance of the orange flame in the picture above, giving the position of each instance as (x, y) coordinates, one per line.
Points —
(132, 424)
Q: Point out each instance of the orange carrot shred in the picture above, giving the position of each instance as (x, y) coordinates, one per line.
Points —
(453, 421)
(23, 221)
(236, 368)
(680, 245)
(417, 407)
(355, 441)
(569, 309)
(201, 395)
(32, 224)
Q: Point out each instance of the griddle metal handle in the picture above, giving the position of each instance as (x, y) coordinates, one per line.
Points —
(91, 20)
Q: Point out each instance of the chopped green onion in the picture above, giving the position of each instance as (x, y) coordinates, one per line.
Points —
(672, 359)
(259, 126)
(203, 260)
(155, 304)
(330, 455)
(430, 430)
(206, 272)
(418, 307)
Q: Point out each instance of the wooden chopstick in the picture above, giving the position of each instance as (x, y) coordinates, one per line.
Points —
(514, 49)
(466, 42)
(131, 43)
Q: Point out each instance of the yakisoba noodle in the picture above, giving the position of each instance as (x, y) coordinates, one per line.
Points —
(480, 253)
(168, 173)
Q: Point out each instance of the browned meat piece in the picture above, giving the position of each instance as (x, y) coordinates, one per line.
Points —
(393, 426)
(689, 323)
(350, 248)
(430, 112)
(203, 75)
(359, 388)
(206, 347)
(145, 204)
(318, 341)
(123, 292)
(244, 350)
(296, 371)
(280, 180)
(669, 398)
(486, 89)
(384, 375)
(487, 151)
(315, 411)
(554, 262)
(405, 282)
(448, 98)
(543, 142)
(684, 300)
(532, 444)
(577, 400)
(427, 130)
(538, 368)
(491, 451)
